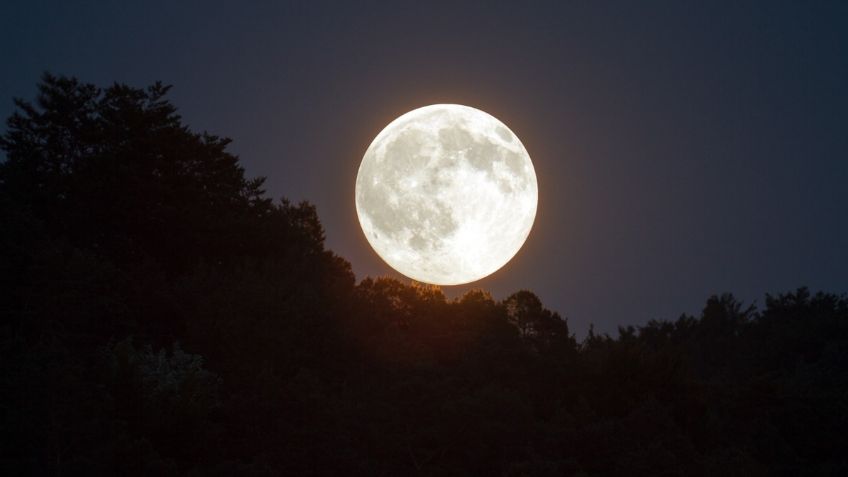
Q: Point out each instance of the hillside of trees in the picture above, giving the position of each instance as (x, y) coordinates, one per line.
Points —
(160, 315)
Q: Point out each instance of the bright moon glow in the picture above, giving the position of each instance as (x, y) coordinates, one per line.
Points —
(446, 194)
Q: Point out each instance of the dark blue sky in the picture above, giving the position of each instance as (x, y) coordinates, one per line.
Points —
(682, 148)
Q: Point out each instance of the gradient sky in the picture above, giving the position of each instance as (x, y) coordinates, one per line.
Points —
(682, 148)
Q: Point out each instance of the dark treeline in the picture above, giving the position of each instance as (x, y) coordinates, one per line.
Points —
(162, 316)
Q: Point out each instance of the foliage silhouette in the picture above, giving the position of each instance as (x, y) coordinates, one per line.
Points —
(125, 233)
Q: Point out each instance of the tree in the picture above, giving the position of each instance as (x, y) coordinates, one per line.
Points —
(535, 322)
(115, 171)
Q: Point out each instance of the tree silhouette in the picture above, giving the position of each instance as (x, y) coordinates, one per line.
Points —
(162, 316)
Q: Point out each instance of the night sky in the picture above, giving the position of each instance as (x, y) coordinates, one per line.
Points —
(682, 149)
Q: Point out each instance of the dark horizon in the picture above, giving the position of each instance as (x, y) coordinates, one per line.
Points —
(680, 148)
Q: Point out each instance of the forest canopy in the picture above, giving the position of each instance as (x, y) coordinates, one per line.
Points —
(162, 316)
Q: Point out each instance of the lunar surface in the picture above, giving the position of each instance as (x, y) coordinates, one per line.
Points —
(446, 194)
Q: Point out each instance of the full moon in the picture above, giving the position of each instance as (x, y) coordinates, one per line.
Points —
(446, 194)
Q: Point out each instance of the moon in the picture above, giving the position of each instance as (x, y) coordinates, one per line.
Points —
(446, 194)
